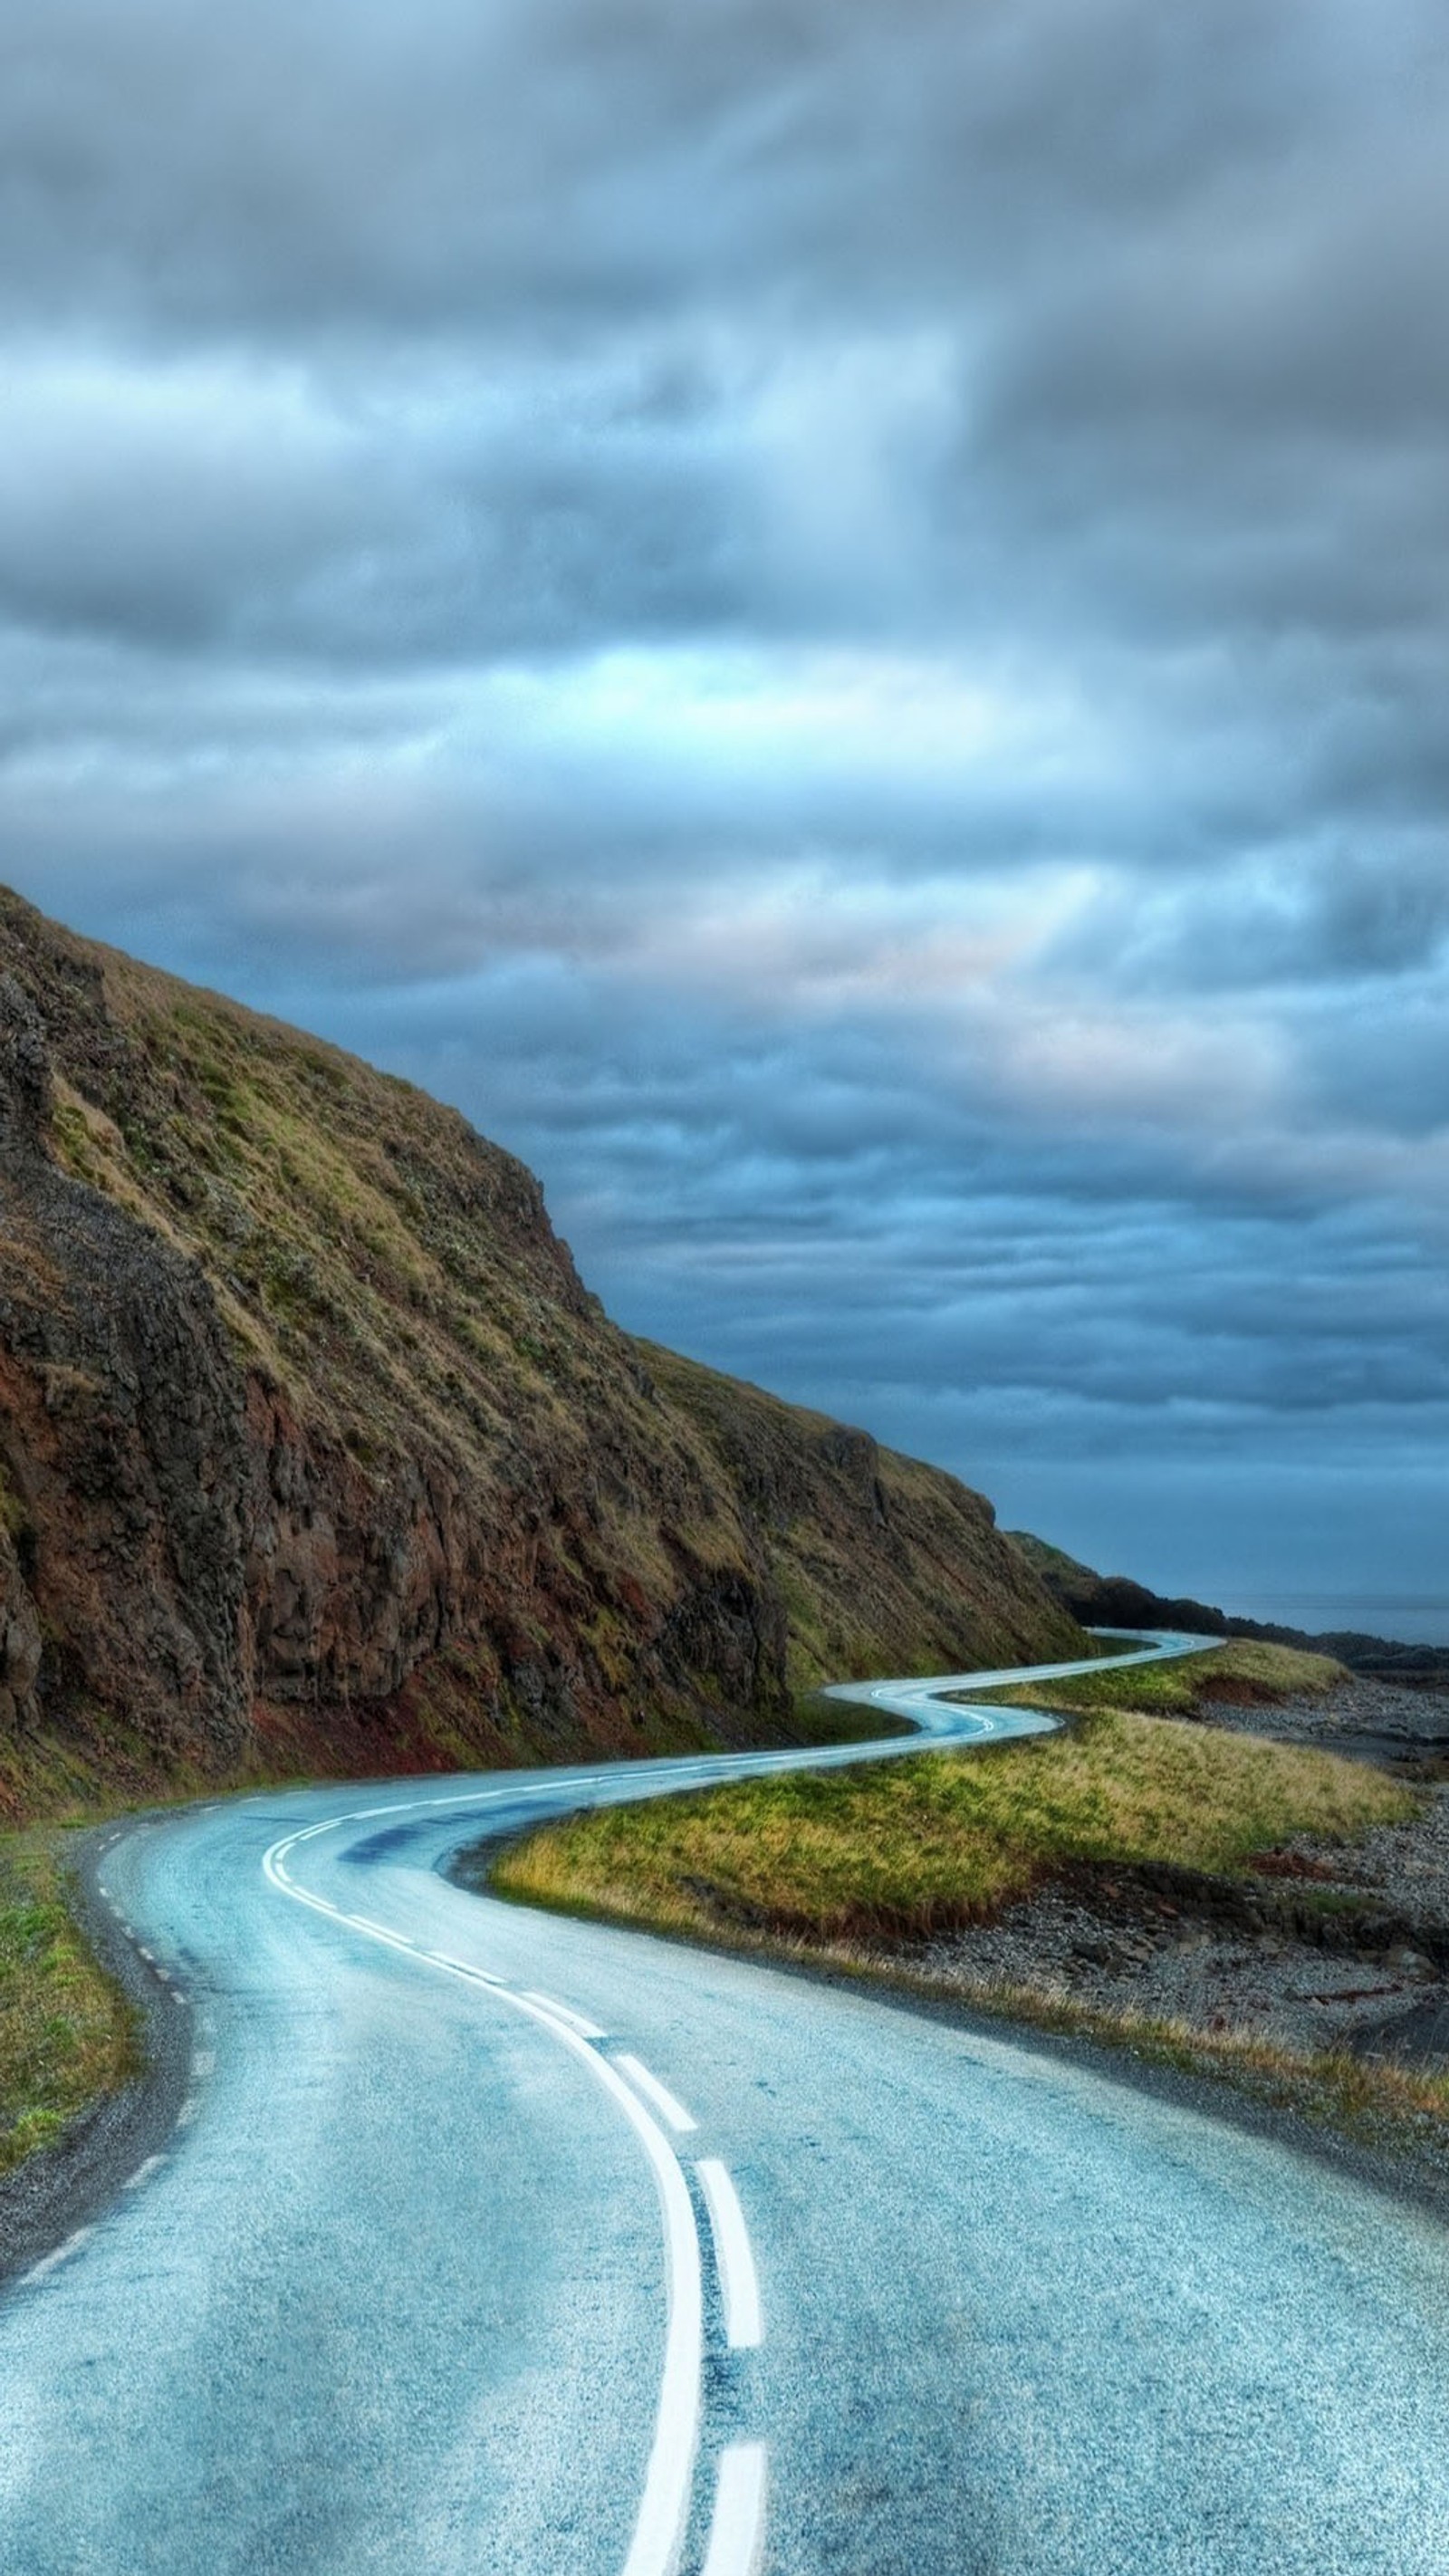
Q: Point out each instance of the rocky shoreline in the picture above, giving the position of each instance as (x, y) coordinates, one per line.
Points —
(1325, 1949)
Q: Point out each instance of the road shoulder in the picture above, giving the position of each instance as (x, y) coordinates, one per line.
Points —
(1406, 2160)
(62, 2186)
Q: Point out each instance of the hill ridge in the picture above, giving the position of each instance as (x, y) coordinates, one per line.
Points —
(315, 1450)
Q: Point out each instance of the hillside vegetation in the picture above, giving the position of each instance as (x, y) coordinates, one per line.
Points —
(316, 1454)
(66, 2033)
(1240, 1674)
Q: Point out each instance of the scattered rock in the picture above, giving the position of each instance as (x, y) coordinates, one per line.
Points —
(1251, 1958)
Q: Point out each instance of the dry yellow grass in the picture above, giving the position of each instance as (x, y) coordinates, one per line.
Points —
(832, 1871)
(918, 1845)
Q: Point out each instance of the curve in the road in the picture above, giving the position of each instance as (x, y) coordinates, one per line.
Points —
(390, 2299)
(937, 1709)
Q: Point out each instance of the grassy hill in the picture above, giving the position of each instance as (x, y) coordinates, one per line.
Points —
(316, 1453)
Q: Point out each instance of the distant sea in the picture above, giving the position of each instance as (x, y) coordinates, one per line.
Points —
(1418, 1618)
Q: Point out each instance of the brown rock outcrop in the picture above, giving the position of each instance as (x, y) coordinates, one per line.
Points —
(314, 1449)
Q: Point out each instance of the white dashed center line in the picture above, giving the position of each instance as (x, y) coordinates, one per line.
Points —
(657, 2093)
(739, 2286)
(737, 2533)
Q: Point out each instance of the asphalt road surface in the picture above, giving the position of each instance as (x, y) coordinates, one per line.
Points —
(497, 2244)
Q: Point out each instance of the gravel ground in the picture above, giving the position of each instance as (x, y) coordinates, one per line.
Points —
(1116, 1944)
(1398, 1730)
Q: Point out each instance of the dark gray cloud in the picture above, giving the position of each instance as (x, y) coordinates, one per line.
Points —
(833, 617)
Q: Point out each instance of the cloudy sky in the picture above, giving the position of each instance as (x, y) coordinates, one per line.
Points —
(832, 614)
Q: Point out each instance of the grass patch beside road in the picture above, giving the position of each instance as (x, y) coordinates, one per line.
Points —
(67, 2034)
(928, 1843)
(818, 1720)
(849, 1869)
(1241, 1670)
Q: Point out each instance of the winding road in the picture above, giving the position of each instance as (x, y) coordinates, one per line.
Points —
(490, 2243)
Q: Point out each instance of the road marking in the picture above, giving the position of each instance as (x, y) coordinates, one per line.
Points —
(143, 2173)
(62, 2254)
(737, 2533)
(399, 1940)
(461, 1968)
(659, 2094)
(204, 2061)
(178, 1997)
(576, 2021)
(739, 2284)
(737, 2529)
(658, 2541)
(187, 2112)
(659, 2530)
(146, 1955)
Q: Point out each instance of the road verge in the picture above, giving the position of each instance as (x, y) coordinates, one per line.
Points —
(1134, 1840)
(93, 2069)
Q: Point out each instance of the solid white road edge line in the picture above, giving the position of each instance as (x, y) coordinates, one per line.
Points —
(460, 1968)
(657, 2093)
(659, 2530)
(739, 2284)
(575, 2020)
(737, 2533)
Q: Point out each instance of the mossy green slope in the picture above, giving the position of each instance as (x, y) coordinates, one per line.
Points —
(315, 1452)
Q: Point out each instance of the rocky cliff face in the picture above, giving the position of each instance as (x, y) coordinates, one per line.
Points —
(314, 1451)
